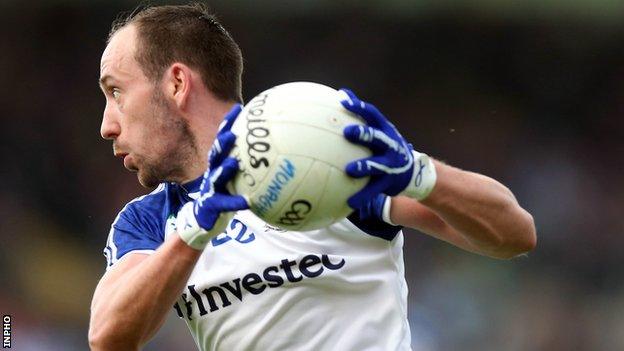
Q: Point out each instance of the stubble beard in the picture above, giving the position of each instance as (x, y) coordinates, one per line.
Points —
(176, 150)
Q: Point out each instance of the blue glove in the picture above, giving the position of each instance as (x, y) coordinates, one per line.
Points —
(199, 221)
(394, 168)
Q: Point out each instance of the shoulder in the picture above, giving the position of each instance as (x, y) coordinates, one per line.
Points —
(148, 202)
(146, 207)
(139, 226)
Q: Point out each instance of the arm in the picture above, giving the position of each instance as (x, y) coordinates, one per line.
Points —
(132, 299)
(471, 211)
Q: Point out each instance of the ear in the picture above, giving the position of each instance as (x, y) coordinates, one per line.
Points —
(179, 80)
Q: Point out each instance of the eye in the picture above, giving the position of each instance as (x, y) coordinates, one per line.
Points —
(116, 93)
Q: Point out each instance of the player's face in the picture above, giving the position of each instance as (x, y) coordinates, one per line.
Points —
(146, 129)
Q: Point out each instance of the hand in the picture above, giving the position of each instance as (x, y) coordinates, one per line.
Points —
(395, 168)
(199, 221)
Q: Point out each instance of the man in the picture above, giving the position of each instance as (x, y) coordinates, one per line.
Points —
(169, 75)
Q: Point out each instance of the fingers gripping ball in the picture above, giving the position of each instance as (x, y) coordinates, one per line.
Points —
(395, 167)
(292, 156)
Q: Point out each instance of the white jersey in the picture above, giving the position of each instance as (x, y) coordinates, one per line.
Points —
(256, 287)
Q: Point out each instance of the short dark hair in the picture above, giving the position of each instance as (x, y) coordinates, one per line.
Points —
(189, 34)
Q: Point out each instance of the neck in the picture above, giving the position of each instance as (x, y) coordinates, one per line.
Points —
(204, 122)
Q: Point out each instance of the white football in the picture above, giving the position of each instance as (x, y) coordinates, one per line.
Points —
(292, 155)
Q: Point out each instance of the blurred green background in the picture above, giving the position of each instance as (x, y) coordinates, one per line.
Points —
(528, 92)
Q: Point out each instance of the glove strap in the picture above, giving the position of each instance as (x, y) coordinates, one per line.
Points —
(423, 179)
(189, 230)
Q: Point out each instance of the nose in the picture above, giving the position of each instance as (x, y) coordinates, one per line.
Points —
(110, 127)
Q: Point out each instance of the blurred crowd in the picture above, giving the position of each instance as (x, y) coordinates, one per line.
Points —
(533, 101)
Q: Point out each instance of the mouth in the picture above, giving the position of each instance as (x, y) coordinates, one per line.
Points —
(127, 161)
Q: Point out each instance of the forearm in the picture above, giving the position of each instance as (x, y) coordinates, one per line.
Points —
(467, 209)
(126, 313)
(480, 210)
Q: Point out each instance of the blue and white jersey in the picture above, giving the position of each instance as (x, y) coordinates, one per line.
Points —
(257, 287)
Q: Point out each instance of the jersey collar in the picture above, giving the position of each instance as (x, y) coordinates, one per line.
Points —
(191, 189)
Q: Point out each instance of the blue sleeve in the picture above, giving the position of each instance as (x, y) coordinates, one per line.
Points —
(139, 226)
(369, 219)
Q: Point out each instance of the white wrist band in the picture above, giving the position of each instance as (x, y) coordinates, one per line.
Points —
(424, 177)
(385, 212)
(189, 230)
